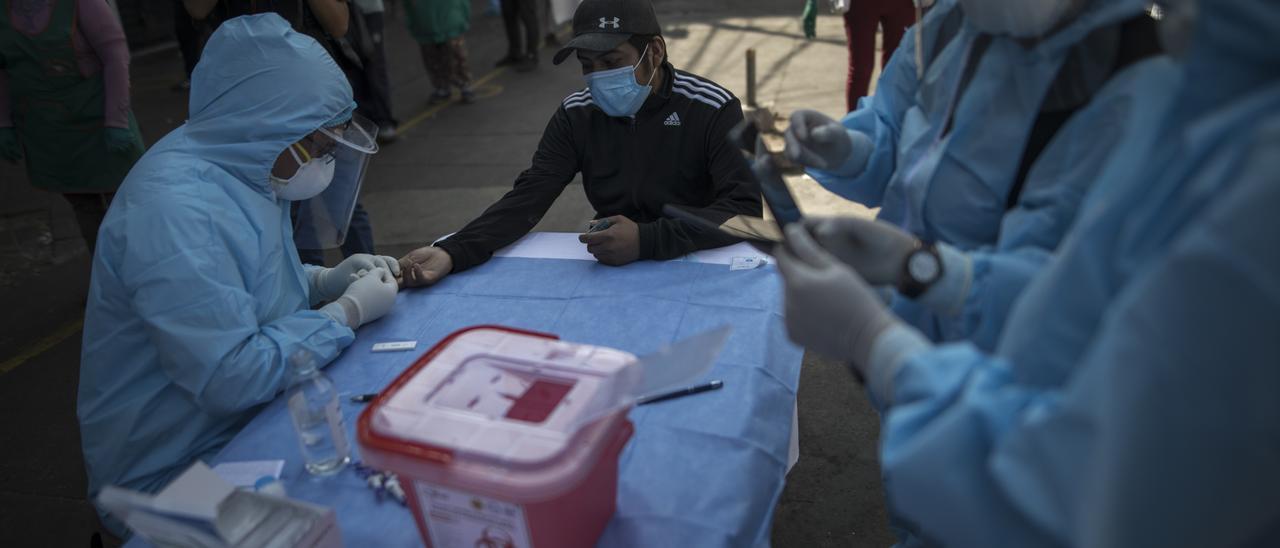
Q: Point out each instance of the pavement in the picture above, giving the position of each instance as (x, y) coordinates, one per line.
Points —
(451, 162)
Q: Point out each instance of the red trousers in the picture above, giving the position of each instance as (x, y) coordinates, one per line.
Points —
(860, 31)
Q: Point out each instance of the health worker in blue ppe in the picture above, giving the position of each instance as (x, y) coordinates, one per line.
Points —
(1131, 401)
(198, 299)
(968, 294)
(967, 143)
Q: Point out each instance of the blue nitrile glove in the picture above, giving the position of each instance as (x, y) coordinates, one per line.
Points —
(119, 140)
(817, 141)
(829, 308)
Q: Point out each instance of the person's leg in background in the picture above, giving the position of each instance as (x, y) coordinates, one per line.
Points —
(460, 68)
(375, 67)
(532, 35)
(549, 24)
(511, 23)
(435, 58)
(894, 20)
(860, 34)
(188, 43)
(89, 210)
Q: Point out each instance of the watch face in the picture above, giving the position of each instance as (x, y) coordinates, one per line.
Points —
(923, 267)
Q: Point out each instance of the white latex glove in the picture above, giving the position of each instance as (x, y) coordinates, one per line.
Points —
(829, 308)
(366, 299)
(875, 249)
(329, 283)
(817, 141)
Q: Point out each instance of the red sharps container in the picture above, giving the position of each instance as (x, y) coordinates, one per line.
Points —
(505, 438)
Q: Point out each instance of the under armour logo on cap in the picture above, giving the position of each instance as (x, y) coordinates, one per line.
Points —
(603, 25)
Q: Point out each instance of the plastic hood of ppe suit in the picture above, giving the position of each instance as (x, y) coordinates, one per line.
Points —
(1145, 349)
(998, 106)
(197, 297)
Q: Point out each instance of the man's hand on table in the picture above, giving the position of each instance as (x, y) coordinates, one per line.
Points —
(424, 266)
(617, 245)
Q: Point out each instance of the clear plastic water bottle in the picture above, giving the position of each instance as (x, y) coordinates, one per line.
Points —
(313, 405)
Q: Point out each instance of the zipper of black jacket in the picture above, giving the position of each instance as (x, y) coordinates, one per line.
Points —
(632, 165)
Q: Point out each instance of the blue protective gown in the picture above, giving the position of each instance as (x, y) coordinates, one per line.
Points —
(952, 187)
(197, 298)
(1133, 398)
(1113, 127)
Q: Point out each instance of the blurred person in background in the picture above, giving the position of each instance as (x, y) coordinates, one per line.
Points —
(64, 102)
(375, 101)
(438, 26)
(893, 17)
(522, 48)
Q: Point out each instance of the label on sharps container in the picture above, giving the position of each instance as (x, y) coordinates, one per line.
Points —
(457, 518)
(747, 263)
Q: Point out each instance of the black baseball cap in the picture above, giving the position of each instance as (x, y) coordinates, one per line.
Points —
(601, 25)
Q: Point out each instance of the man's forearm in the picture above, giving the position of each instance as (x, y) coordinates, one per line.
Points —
(199, 9)
(332, 15)
(666, 239)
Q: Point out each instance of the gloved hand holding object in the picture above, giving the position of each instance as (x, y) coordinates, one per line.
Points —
(876, 250)
(817, 141)
(829, 308)
(328, 284)
(119, 140)
(9, 148)
(365, 300)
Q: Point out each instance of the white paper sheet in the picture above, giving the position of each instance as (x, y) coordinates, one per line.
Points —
(565, 245)
(195, 493)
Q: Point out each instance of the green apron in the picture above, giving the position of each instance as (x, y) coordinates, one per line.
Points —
(57, 112)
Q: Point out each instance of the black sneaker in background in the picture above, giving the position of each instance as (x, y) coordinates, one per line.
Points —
(439, 96)
(507, 61)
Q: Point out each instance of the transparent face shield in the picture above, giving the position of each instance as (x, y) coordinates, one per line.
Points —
(321, 222)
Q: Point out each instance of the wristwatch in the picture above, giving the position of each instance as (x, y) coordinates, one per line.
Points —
(922, 269)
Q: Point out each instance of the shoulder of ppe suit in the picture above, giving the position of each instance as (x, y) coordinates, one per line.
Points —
(154, 227)
(1096, 15)
(1115, 123)
(1140, 89)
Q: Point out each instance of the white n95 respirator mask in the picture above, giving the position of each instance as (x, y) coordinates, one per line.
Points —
(312, 177)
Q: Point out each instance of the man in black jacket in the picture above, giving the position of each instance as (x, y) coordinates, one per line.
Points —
(642, 134)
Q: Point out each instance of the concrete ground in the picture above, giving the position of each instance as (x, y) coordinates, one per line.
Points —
(452, 161)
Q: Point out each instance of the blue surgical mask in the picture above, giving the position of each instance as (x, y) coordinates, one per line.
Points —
(616, 91)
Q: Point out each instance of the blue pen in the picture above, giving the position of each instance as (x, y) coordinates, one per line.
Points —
(689, 391)
(600, 225)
